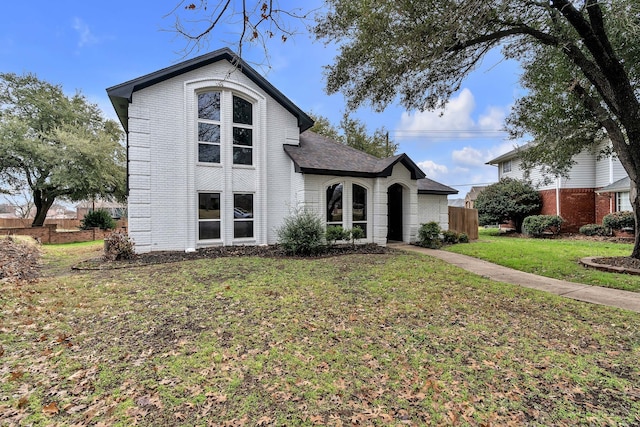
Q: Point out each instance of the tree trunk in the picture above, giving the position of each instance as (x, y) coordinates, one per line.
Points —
(634, 196)
(42, 208)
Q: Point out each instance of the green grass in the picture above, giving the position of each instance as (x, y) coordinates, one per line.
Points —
(361, 339)
(557, 258)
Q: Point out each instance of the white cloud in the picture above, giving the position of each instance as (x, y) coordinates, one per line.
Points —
(432, 169)
(86, 37)
(456, 120)
(468, 156)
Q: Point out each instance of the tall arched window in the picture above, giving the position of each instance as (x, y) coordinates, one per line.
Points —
(359, 208)
(334, 204)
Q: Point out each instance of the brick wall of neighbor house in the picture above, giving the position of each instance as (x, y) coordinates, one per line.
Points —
(577, 207)
(603, 206)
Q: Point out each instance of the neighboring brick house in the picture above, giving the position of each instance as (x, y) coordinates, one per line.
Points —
(585, 196)
(218, 156)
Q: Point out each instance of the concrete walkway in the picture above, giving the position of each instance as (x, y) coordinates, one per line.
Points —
(594, 294)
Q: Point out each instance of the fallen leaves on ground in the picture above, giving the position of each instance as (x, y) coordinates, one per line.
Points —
(387, 339)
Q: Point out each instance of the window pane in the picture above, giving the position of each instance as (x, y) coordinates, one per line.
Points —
(334, 203)
(243, 229)
(242, 156)
(243, 205)
(209, 105)
(359, 203)
(208, 230)
(242, 136)
(623, 202)
(208, 206)
(242, 111)
(208, 132)
(209, 153)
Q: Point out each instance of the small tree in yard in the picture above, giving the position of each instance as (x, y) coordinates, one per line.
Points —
(508, 200)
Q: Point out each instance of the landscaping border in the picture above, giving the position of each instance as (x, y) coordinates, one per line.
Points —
(590, 263)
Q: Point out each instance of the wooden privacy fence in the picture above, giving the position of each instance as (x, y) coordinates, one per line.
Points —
(463, 220)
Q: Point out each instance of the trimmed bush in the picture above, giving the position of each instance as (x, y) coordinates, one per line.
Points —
(539, 225)
(593, 230)
(356, 233)
(302, 233)
(429, 235)
(335, 233)
(619, 220)
(98, 219)
(463, 238)
(450, 237)
(118, 246)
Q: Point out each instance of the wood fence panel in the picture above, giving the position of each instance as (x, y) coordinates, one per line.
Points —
(464, 220)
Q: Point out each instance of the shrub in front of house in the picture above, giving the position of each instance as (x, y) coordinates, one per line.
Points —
(302, 233)
(593, 230)
(98, 219)
(118, 246)
(463, 238)
(541, 225)
(335, 233)
(450, 237)
(356, 233)
(619, 221)
(429, 235)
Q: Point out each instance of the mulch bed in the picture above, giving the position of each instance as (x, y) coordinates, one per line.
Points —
(620, 261)
(270, 251)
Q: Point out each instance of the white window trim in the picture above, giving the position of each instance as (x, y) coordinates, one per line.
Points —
(623, 201)
(347, 204)
(506, 166)
(252, 219)
(220, 220)
(192, 165)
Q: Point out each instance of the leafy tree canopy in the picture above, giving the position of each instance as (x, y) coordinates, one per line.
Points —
(59, 146)
(580, 60)
(507, 200)
(580, 66)
(354, 133)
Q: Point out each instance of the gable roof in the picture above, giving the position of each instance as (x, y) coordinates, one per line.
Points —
(474, 191)
(319, 155)
(429, 186)
(121, 95)
(619, 186)
(508, 155)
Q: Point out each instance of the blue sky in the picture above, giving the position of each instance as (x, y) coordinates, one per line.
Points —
(89, 46)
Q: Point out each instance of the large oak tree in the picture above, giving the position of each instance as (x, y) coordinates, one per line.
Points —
(56, 145)
(580, 60)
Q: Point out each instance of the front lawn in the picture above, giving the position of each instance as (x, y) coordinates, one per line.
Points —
(557, 258)
(390, 339)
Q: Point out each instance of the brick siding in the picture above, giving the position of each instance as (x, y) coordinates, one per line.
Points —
(577, 207)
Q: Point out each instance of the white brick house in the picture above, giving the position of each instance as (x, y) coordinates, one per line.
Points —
(218, 156)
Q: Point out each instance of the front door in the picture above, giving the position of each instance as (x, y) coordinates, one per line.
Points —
(394, 213)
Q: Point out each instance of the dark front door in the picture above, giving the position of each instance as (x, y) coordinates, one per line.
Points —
(394, 212)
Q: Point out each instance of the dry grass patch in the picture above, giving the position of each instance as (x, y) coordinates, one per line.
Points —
(361, 339)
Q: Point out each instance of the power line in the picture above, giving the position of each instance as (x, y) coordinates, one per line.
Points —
(472, 184)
